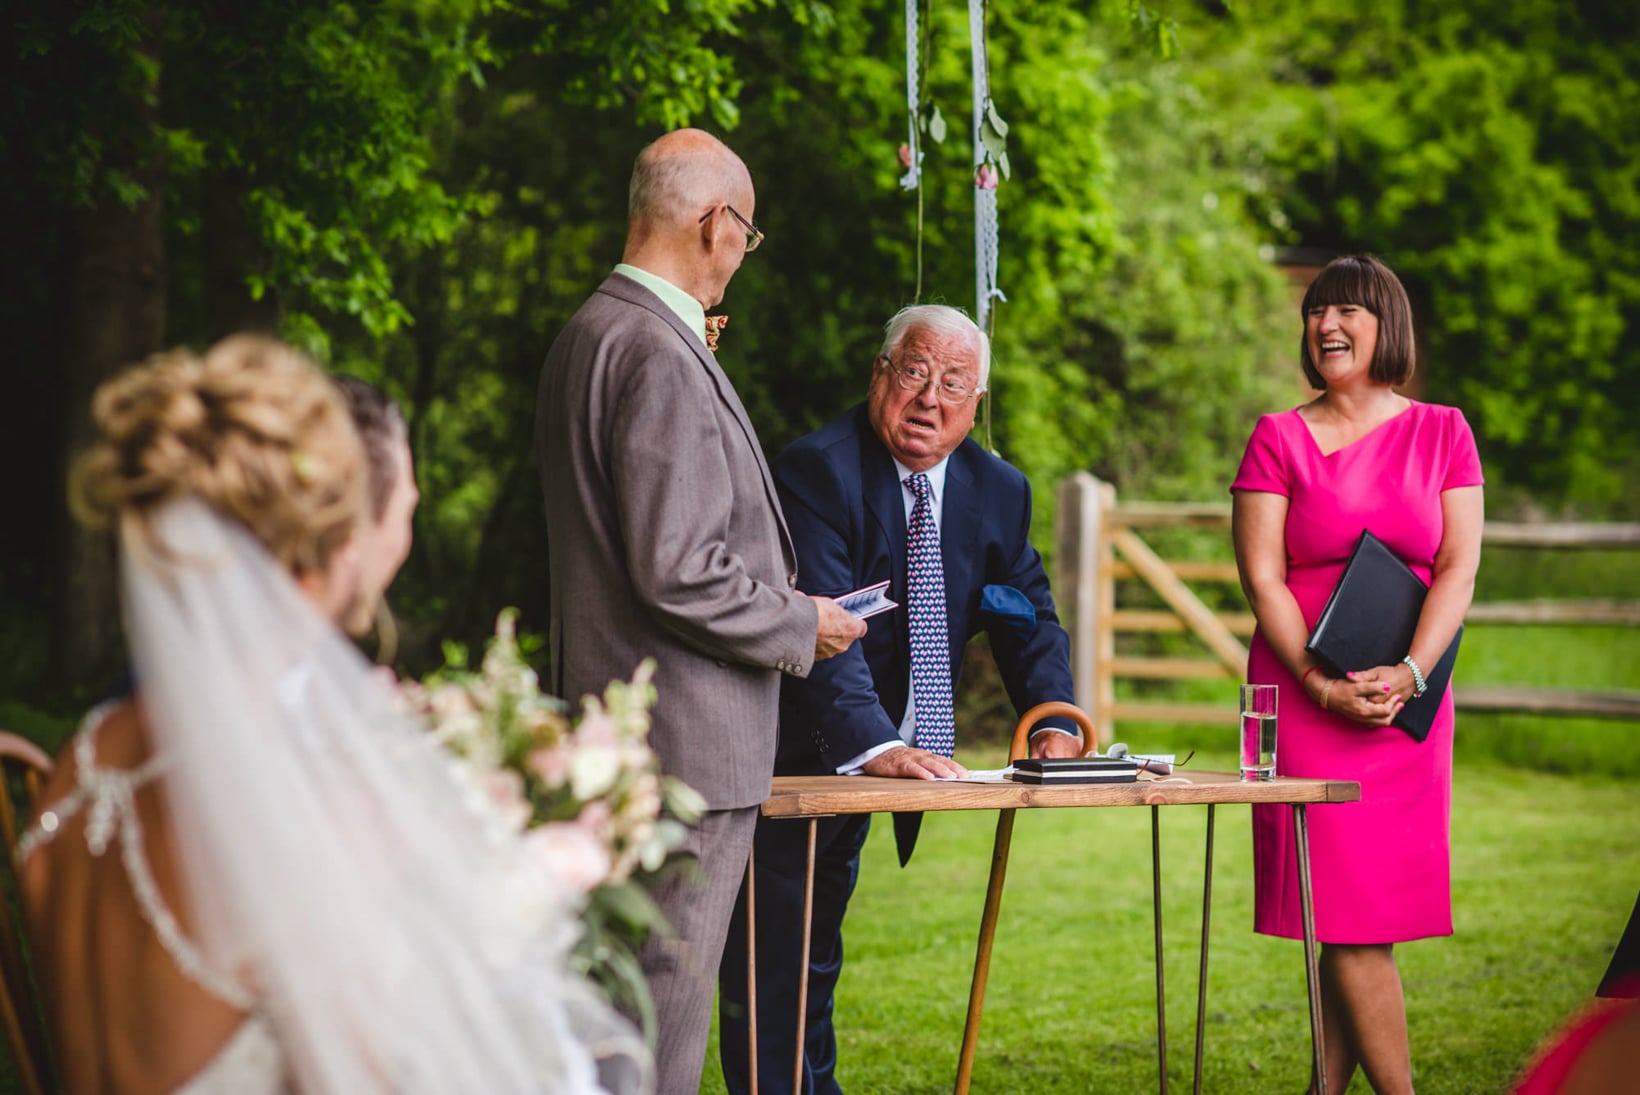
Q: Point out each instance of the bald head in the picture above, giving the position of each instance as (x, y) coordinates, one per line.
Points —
(680, 176)
(688, 199)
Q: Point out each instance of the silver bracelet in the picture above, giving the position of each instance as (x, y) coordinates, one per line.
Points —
(1421, 685)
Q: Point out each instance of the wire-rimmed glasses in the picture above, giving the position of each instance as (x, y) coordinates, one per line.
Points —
(754, 234)
(953, 388)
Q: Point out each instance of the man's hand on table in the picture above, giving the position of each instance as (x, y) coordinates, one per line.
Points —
(906, 762)
(1056, 743)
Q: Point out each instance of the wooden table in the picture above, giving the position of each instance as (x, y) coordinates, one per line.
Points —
(813, 797)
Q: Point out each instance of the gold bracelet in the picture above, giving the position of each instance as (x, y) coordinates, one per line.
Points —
(1327, 691)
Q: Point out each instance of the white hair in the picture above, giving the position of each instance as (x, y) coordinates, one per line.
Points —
(943, 321)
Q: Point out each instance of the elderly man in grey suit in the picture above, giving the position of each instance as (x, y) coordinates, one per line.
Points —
(665, 539)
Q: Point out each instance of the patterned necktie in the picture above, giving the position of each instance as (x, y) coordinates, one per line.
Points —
(930, 642)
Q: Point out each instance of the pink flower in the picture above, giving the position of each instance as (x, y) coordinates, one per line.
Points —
(506, 790)
(986, 176)
(597, 729)
(551, 764)
(564, 853)
(449, 699)
(905, 155)
(597, 820)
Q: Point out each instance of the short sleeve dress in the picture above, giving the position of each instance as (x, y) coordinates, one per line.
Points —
(1381, 867)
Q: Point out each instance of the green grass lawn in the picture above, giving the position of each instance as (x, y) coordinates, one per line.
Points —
(1546, 865)
(1545, 870)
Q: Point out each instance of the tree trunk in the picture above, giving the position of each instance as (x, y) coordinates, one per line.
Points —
(232, 248)
(117, 316)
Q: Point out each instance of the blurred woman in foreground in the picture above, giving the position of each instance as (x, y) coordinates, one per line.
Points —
(254, 875)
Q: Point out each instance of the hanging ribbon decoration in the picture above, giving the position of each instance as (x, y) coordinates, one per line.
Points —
(985, 177)
(911, 159)
(990, 167)
(989, 135)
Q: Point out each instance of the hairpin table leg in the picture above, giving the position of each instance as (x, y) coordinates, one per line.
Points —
(1301, 831)
(1201, 975)
(803, 977)
(982, 955)
(1156, 906)
(751, 968)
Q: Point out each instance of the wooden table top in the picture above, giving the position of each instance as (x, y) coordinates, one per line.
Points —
(815, 796)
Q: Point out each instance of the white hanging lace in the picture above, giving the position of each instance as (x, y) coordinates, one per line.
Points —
(985, 201)
(913, 175)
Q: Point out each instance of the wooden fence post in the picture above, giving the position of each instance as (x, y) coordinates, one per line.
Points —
(1085, 593)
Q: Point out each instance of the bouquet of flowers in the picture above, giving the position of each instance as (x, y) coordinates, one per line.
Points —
(595, 813)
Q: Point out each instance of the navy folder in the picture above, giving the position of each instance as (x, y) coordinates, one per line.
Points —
(1369, 621)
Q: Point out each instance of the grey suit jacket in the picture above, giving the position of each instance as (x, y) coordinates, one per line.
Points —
(666, 540)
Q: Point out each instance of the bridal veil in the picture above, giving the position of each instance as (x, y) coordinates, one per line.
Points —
(334, 861)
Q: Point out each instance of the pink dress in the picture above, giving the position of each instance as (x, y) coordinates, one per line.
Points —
(1380, 867)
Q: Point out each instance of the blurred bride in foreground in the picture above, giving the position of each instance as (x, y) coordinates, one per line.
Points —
(254, 875)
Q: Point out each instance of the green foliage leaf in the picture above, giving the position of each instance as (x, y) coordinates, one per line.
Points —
(994, 143)
(994, 120)
(1485, 153)
(455, 654)
(630, 906)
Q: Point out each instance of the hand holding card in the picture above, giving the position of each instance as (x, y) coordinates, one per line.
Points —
(867, 601)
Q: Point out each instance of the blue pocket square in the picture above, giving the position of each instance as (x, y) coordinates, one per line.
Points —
(1009, 607)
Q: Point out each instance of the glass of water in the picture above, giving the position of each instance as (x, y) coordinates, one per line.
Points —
(1258, 732)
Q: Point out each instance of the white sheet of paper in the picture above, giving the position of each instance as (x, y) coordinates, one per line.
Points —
(868, 601)
(985, 775)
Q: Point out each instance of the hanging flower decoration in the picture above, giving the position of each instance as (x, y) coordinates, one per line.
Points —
(993, 136)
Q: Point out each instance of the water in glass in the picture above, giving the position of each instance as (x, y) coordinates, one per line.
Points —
(1258, 731)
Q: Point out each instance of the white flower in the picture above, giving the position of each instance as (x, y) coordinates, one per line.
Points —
(593, 770)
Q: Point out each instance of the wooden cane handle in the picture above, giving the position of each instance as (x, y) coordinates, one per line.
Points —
(1022, 732)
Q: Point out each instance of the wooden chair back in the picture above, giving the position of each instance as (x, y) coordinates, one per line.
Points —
(23, 768)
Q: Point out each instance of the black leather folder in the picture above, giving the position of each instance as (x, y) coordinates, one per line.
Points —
(1369, 621)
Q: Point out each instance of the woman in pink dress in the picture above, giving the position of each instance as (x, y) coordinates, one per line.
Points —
(1358, 456)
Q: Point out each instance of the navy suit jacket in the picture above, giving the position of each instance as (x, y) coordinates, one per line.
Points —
(844, 505)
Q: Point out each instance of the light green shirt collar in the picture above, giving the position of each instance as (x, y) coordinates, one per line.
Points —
(686, 307)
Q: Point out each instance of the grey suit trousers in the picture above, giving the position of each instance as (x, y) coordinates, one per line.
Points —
(682, 972)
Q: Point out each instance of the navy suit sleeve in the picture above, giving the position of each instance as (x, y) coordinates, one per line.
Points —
(1035, 669)
(836, 706)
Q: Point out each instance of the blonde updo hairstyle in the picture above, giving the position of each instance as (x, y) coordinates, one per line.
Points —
(253, 429)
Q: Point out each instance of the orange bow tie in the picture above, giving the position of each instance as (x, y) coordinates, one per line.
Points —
(714, 330)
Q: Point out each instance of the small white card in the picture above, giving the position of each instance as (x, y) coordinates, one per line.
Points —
(868, 601)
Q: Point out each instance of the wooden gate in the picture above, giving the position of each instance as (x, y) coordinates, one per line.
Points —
(1098, 544)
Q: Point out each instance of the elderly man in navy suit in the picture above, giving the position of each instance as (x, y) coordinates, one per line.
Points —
(893, 490)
